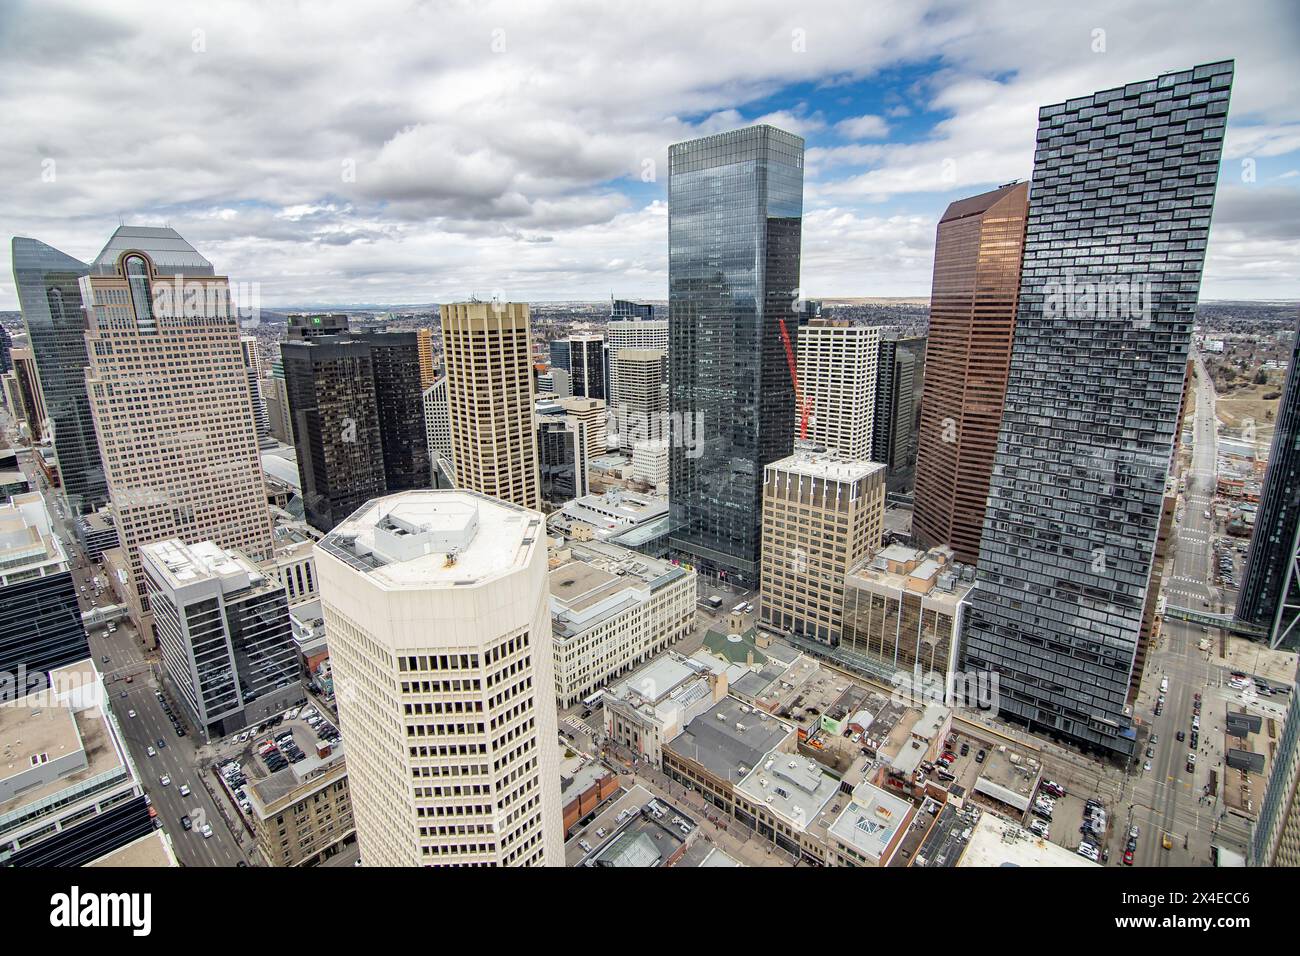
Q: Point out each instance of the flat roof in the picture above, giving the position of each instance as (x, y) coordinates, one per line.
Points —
(153, 850)
(871, 820)
(34, 726)
(730, 739)
(182, 564)
(793, 787)
(999, 842)
(431, 538)
(827, 465)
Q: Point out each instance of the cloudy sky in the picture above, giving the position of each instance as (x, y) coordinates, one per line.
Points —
(399, 152)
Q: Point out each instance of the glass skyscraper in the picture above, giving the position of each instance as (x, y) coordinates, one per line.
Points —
(1119, 216)
(735, 213)
(1270, 591)
(49, 294)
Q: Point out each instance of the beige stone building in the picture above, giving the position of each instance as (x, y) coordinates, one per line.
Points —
(837, 375)
(490, 399)
(169, 395)
(822, 513)
(303, 817)
(436, 607)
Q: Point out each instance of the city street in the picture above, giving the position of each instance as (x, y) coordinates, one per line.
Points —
(131, 671)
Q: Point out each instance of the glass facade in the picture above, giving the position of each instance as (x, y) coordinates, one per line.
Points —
(735, 213)
(1119, 216)
(49, 294)
(900, 383)
(1269, 568)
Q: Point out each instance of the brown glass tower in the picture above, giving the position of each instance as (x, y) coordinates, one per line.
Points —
(977, 252)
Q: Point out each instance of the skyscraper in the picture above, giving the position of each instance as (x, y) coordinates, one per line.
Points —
(303, 327)
(1276, 838)
(1122, 194)
(396, 364)
(490, 388)
(1270, 591)
(837, 376)
(587, 365)
(900, 379)
(631, 326)
(331, 389)
(438, 612)
(437, 423)
(29, 389)
(170, 399)
(428, 374)
(641, 412)
(977, 249)
(253, 369)
(50, 297)
(735, 214)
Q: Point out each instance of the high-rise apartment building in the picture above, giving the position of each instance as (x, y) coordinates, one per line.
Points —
(50, 297)
(1119, 216)
(330, 383)
(837, 376)
(490, 387)
(735, 217)
(900, 379)
(40, 618)
(977, 250)
(224, 633)
(439, 625)
(1270, 585)
(822, 514)
(587, 365)
(169, 394)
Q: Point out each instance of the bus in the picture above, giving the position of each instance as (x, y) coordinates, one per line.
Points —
(591, 702)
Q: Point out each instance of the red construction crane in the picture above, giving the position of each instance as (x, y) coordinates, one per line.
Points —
(805, 407)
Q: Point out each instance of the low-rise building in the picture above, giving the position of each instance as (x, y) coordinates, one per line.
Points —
(869, 830)
(611, 611)
(302, 814)
(652, 705)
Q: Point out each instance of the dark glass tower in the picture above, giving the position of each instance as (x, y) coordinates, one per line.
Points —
(1270, 569)
(1119, 214)
(50, 297)
(395, 362)
(735, 214)
(331, 389)
(560, 354)
(900, 383)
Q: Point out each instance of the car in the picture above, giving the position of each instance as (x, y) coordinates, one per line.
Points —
(1052, 787)
(1040, 828)
(979, 757)
(1151, 752)
(1134, 832)
(1181, 736)
(207, 831)
(1043, 812)
(1128, 857)
(1196, 739)
(1088, 851)
(153, 812)
(1155, 739)
(185, 790)
(122, 695)
(965, 749)
(161, 743)
(150, 751)
(130, 678)
(1191, 767)
(586, 847)
(1146, 767)
(186, 822)
(165, 780)
(104, 659)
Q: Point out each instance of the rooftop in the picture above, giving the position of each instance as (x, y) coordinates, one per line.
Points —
(794, 788)
(829, 465)
(871, 821)
(429, 539)
(998, 842)
(165, 246)
(730, 739)
(182, 565)
(153, 850)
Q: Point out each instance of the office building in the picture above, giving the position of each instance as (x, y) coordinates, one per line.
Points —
(559, 351)
(1276, 838)
(490, 389)
(179, 445)
(399, 404)
(735, 215)
(900, 380)
(611, 611)
(331, 387)
(223, 629)
(48, 285)
(35, 413)
(69, 793)
(903, 611)
(837, 376)
(40, 619)
(439, 628)
(977, 249)
(1270, 588)
(651, 706)
(437, 423)
(640, 413)
(822, 513)
(563, 454)
(1122, 194)
(587, 365)
(428, 372)
(632, 326)
(253, 369)
(6, 343)
(303, 327)
(302, 814)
